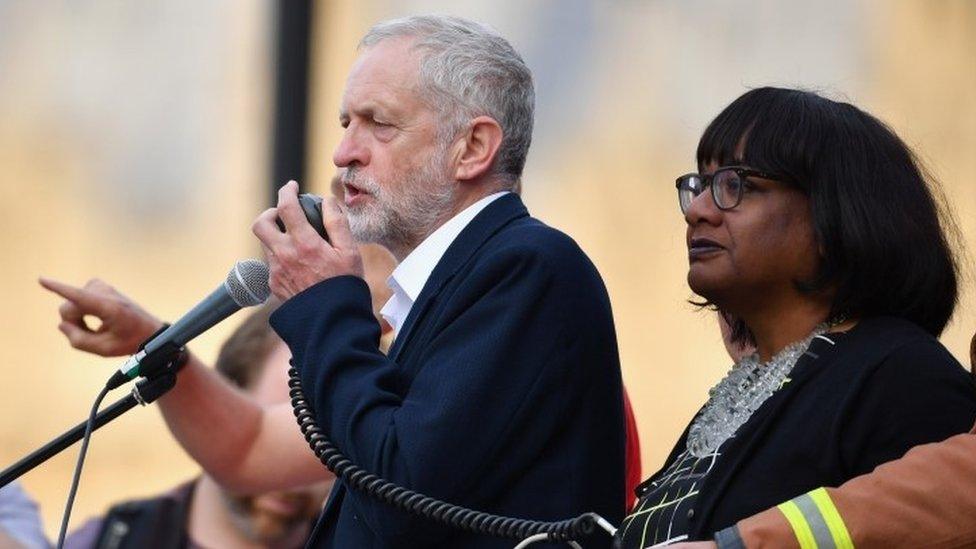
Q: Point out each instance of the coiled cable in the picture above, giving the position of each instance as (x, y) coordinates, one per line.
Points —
(459, 517)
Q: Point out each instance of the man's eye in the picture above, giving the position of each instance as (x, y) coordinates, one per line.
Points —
(383, 131)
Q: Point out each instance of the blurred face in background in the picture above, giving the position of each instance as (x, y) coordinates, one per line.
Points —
(395, 178)
(275, 516)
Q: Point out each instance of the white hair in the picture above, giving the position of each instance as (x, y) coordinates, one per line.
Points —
(469, 70)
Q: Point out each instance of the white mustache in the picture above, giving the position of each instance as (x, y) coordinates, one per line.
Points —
(354, 178)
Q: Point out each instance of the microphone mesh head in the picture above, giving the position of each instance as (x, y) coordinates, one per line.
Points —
(247, 283)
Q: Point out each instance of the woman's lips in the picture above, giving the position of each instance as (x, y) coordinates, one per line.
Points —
(699, 248)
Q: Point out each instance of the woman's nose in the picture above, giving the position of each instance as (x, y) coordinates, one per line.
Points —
(703, 209)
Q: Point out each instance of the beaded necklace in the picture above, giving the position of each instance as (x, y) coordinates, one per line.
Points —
(741, 392)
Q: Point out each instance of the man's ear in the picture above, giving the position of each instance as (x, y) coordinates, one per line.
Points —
(476, 149)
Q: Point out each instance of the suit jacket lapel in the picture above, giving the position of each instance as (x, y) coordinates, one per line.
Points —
(489, 221)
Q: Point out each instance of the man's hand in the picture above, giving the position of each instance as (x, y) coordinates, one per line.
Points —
(695, 545)
(299, 258)
(124, 324)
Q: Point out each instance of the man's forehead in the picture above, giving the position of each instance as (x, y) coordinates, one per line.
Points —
(384, 77)
(365, 102)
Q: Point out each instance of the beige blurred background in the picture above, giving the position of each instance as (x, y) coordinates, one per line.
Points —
(135, 137)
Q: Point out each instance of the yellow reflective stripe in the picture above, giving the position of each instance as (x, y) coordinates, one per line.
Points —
(838, 530)
(799, 524)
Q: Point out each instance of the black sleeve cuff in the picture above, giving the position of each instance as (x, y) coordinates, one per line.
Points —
(729, 539)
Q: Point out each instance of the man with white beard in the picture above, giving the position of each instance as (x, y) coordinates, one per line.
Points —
(502, 390)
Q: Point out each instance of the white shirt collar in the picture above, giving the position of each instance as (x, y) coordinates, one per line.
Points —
(410, 276)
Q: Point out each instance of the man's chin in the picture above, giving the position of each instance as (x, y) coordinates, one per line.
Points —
(368, 231)
(269, 527)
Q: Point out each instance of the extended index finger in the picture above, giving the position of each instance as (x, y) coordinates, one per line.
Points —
(87, 300)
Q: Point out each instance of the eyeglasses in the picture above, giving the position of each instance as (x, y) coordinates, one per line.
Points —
(727, 183)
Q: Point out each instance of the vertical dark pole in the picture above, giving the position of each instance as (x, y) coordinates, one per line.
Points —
(293, 34)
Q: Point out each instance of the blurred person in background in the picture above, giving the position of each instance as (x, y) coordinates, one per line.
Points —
(201, 513)
(20, 521)
(813, 230)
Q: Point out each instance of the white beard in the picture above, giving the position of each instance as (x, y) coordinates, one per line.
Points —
(400, 219)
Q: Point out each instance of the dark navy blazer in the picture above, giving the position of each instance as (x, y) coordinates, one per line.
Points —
(501, 393)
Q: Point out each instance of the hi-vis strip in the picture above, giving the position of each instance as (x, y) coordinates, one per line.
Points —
(816, 522)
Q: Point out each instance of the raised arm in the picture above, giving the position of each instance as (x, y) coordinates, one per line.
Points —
(258, 448)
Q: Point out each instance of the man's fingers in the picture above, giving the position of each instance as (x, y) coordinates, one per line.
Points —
(71, 313)
(290, 211)
(337, 224)
(77, 336)
(66, 291)
(87, 341)
(265, 228)
(87, 301)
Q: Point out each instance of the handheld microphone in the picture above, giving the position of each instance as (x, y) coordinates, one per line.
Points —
(246, 285)
(312, 206)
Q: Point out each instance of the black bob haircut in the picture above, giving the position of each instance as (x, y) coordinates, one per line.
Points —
(881, 231)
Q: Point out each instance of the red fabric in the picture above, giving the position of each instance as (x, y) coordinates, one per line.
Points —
(632, 465)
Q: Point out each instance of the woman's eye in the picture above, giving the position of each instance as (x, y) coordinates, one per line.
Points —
(736, 184)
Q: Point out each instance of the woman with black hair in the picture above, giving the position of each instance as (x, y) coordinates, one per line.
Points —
(813, 231)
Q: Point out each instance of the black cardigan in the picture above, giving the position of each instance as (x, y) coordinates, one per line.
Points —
(884, 387)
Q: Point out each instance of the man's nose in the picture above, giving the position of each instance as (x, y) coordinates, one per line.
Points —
(351, 150)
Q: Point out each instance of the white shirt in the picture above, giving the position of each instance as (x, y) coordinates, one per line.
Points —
(410, 276)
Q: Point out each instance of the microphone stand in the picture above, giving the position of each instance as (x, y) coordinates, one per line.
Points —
(145, 392)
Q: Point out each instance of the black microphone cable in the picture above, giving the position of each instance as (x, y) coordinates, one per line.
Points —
(173, 359)
(80, 463)
(163, 354)
(426, 506)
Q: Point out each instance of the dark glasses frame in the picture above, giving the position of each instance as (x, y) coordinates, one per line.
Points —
(692, 185)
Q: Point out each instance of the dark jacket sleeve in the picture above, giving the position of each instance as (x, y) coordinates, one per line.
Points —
(519, 348)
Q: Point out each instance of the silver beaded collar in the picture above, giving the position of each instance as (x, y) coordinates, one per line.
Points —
(743, 390)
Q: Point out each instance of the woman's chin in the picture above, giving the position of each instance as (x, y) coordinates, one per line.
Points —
(706, 284)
